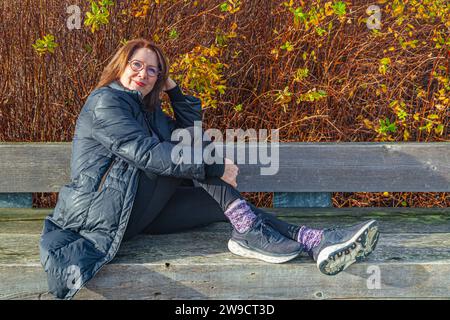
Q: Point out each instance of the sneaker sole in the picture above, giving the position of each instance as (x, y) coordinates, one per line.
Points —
(339, 257)
(239, 250)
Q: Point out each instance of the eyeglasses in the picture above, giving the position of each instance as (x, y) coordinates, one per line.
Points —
(137, 66)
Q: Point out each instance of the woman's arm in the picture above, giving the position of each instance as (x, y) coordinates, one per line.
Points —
(115, 127)
(186, 108)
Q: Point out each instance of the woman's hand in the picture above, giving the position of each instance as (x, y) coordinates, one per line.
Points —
(169, 84)
(230, 173)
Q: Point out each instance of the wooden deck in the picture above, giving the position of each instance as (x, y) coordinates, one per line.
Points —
(412, 260)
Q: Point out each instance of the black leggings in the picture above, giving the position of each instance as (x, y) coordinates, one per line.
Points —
(169, 204)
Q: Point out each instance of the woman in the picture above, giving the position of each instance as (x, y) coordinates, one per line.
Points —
(126, 180)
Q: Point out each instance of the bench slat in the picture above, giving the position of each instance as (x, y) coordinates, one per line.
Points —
(412, 260)
(391, 220)
(304, 167)
(242, 281)
(206, 247)
(409, 265)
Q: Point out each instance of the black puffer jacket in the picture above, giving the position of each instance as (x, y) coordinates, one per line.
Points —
(114, 138)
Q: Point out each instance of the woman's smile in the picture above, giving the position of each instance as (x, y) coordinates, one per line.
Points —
(141, 84)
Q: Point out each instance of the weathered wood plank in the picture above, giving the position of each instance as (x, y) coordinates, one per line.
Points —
(354, 167)
(289, 281)
(263, 281)
(303, 167)
(198, 266)
(210, 246)
(34, 167)
(32, 213)
(391, 220)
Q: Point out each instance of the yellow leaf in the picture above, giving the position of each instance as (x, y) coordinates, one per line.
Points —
(368, 123)
(406, 135)
(398, 10)
(328, 9)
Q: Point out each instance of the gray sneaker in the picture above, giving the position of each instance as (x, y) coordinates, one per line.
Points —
(265, 243)
(341, 247)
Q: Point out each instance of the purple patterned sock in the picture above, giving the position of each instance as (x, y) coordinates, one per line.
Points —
(310, 238)
(240, 215)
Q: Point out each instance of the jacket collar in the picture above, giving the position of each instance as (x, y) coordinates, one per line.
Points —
(134, 93)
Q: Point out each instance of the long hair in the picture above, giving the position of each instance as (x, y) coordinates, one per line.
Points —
(119, 62)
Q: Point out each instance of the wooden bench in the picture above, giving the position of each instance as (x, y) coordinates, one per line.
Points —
(412, 259)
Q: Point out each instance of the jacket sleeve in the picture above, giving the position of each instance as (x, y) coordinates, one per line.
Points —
(186, 109)
(116, 128)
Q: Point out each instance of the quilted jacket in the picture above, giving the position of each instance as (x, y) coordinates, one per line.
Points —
(114, 138)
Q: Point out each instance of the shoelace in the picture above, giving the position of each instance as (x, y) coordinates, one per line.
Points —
(267, 233)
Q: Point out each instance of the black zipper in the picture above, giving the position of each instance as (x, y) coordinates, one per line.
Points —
(147, 122)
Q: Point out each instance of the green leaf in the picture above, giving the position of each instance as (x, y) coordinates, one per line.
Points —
(322, 93)
(387, 126)
(320, 31)
(46, 44)
(287, 46)
(339, 8)
(221, 88)
(224, 7)
(173, 34)
(95, 9)
(439, 129)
